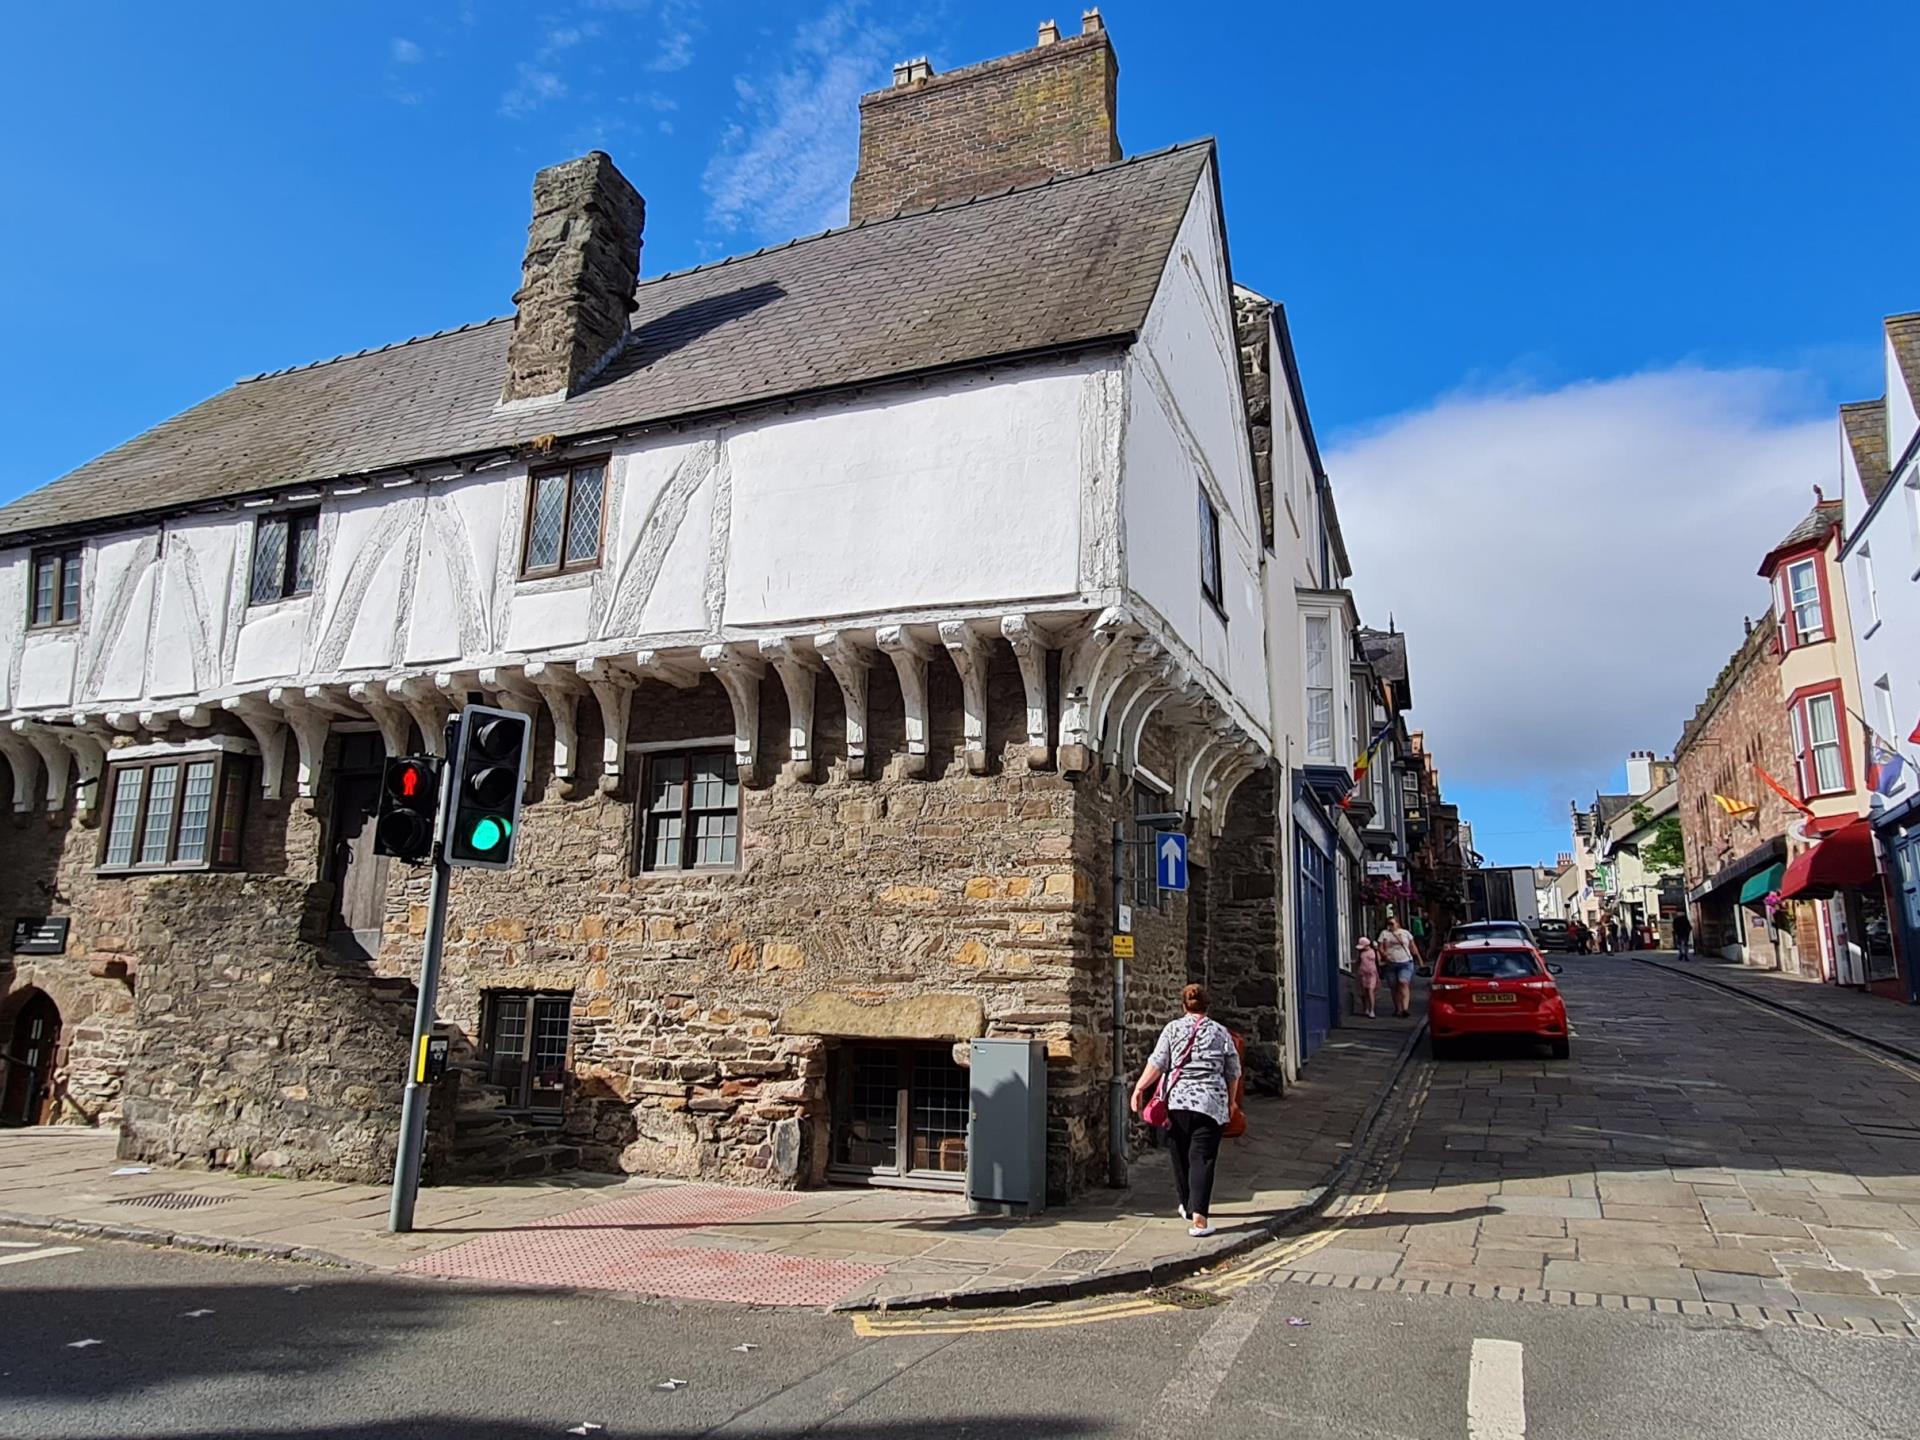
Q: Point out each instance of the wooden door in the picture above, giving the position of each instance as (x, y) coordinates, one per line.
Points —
(28, 1085)
(359, 876)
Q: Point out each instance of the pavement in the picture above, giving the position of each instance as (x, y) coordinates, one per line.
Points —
(1701, 1154)
(119, 1342)
(845, 1248)
(1888, 1025)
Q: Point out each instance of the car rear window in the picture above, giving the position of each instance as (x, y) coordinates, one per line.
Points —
(1490, 965)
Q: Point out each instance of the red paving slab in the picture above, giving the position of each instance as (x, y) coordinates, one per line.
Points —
(628, 1244)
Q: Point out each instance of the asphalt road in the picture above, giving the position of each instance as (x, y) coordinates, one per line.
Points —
(101, 1339)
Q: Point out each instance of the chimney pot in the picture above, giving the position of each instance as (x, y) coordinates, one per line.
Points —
(1049, 33)
(1091, 23)
(576, 279)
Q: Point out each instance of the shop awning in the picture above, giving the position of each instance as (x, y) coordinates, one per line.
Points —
(1762, 883)
(1842, 861)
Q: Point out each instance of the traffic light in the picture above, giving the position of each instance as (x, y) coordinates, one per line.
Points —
(489, 770)
(409, 803)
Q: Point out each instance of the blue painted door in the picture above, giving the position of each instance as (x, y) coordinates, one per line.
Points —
(1313, 990)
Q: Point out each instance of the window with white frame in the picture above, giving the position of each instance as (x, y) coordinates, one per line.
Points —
(1818, 752)
(1883, 703)
(1319, 686)
(1803, 616)
(1863, 563)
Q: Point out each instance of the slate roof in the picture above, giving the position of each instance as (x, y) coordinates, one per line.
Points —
(1612, 807)
(1386, 652)
(1822, 518)
(1865, 422)
(1067, 263)
(1903, 333)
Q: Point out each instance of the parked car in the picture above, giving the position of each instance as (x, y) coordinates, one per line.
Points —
(1485, 987)
(1491, 930)
(1553, 935)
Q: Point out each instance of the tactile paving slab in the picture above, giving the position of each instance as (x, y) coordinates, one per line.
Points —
(629, 1244)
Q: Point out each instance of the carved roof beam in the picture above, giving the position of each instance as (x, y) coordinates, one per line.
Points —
(798, 670)
(739, 674)
(55, 759)
(424, 701)
(680, 671)
(1030, 646)
(970, 658)
(194, 717)
(396, 724)
(1125, 677)
(910, 655)
(269, 731)
(611, 685)
(561, 687)
(24, 761)
(1084, 674)
(849, 661)
(310, 724)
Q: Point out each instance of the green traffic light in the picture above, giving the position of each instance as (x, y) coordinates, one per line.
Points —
(489, 833)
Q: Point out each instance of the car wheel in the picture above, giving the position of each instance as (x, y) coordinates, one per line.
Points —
(1438, 1048)
(1562, 1049)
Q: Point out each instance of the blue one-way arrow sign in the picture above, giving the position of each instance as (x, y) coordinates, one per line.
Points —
(1170, 852)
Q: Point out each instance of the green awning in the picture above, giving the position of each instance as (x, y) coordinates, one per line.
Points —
(1761, 884)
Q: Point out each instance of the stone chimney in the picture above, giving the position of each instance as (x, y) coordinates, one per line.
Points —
(1640, 772)
(576, 282)
(1013, 121)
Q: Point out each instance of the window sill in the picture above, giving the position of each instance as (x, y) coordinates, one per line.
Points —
(107, 872)
(52, 627)
(1215, 606)
(703, 873)
(577, 578)
(264, 607)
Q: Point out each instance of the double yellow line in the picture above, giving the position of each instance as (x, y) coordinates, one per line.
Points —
(1345, 1209)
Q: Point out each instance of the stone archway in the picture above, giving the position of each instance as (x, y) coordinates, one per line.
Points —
(29, 1043)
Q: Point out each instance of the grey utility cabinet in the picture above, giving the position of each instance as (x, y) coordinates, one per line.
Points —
(1007, 1126)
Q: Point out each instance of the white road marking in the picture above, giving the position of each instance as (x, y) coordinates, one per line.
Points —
(45, 1254)
(1496, 1392)
(194, 1314)
(83, 1344)
(19, 1244)
(1184, 1403)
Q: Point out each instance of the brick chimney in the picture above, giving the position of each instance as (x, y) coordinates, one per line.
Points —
(1012, 121)
(576, 282)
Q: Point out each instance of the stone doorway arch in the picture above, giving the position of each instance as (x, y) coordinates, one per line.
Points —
(29, 1040)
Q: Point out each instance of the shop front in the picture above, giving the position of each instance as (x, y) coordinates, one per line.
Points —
(1842, 872)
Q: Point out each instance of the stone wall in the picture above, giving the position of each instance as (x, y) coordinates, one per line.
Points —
(1012, 121)
(1244, 960)
(47, 868)
(255, 1049)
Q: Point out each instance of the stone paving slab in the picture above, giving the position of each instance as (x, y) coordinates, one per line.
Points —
(850, 1248)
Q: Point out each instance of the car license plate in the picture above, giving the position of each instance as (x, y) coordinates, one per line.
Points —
(1496, 999)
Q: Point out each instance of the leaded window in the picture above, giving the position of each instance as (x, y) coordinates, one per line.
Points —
(565, 514)
(177, 812)
(286, 555)
(55, 597)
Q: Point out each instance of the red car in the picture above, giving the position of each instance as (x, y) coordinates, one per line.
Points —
(1495, 987)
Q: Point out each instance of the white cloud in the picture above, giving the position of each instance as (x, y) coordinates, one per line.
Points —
(1571, 566)
(784, 166)
(535, 87)
(404, 51)
(679, 19)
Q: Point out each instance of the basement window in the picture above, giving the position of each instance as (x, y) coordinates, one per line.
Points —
(180, 812)
(525, 1034)
(899, 1115)
(286, 555)
(565, 520)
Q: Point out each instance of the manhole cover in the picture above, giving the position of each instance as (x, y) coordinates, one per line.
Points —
(1186, 1297)
(176, 1200)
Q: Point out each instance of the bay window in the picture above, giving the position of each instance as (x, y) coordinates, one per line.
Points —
(1802, 603)
(175, 812)
(1819, 744)
(1319, 687)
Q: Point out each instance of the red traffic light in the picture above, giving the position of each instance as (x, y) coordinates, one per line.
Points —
(409, 780)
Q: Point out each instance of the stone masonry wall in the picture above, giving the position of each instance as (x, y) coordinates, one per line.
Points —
(47, 868)
(255, 1049)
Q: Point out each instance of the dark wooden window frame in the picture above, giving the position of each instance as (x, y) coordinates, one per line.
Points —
(901, 1174)
(1212, 566)
(689, 812)
(226, 812)
(61, 557)
(603, 464)
(289, 587)
(520, 1096)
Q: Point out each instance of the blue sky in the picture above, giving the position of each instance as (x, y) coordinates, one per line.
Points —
(1671, 230)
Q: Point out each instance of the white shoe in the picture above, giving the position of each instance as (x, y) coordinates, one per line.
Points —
(1200, 1232)
(1183, 1212)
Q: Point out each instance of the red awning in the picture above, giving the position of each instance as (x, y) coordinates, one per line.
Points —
(1842, 861)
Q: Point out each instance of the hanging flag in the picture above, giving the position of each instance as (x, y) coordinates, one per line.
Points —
(1737, 809)
(1883, 766)
(1782, 791)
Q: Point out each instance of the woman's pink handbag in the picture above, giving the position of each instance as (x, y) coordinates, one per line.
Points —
(1154, 1112)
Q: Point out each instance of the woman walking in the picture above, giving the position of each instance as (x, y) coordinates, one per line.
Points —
(1366, 974)
(1202, 1069)
(1399, 950)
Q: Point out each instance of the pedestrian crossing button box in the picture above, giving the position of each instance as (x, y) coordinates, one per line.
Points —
(1007, 1127)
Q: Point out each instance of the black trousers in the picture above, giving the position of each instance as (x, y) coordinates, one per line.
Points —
(1193, 1142)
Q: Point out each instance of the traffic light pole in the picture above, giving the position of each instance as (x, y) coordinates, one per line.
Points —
(413, 1108)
